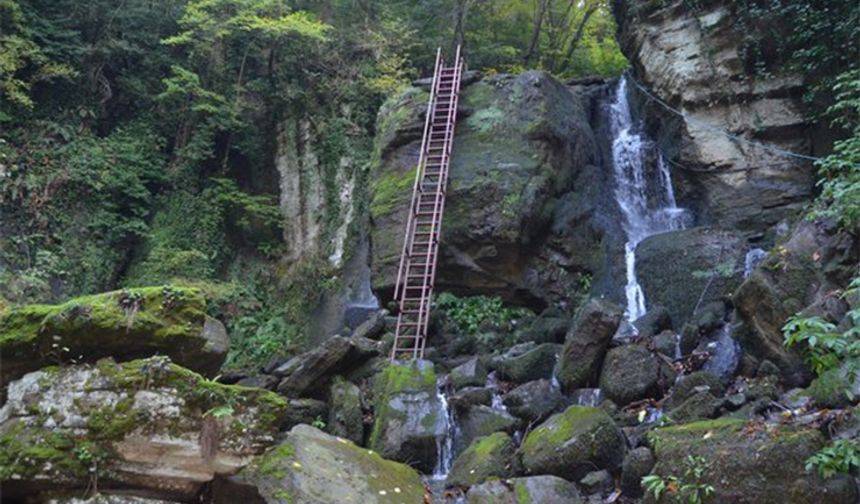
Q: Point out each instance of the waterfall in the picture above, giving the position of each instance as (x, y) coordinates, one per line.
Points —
(496, 400)
(646, 199)
(752, 259)
(445, 442)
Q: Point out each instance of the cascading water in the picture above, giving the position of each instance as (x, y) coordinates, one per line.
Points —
(646, 198)
(445, 442)
(752, 259)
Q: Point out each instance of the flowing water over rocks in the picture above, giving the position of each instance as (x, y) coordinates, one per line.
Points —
(643, 192)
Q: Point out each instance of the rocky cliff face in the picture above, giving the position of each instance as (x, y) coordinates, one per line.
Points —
(691, 58)
(523, 218)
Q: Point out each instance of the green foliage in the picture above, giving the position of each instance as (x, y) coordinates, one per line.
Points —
(840, 457)
(688, 488)
(471, 313)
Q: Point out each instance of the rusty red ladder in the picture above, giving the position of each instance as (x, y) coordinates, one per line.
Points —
(417, 271)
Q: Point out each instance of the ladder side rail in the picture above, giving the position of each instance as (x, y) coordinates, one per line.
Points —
(443, 179)
(419, 168)
(408, 238)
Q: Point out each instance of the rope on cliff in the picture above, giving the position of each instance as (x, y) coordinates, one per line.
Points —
(705, 125)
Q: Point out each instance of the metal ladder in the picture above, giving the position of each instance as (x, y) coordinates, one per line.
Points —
(417, 271)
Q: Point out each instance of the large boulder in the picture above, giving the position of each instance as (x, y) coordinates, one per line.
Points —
(684, 270)
(309, 373)
(126, 325)
(148, 424)
(815, 261)
(630, 372)
(470, 373)
(746, 463)
(526, 362)
(573, 443)
(534, 401)
(698, 61)
(586, 343)
(409, 416)
(311, 467)
(479, 420)
(487, 457)
(533, 489)
(522, 142)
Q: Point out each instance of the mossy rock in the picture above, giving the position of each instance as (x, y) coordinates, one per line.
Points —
(629, 373)
(408, 414)
(311, 467)
(586, 342)
(749, 463)
(126, 324)
(128, 418)
(529, 490)
(526, 362)
(487, 457)
(345, 418)
(572, 443)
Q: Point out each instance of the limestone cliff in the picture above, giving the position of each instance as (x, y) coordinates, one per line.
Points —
(690, 56)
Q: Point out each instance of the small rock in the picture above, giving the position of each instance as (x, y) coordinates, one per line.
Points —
(630, 373)
(472, 372)
(597, 482)
(486, 457)
(480, 421)
(533, 401)
(637, 464)
(526, 362)
(530, 490)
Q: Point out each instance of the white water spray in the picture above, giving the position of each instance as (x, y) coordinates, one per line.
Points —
(752, 259)
(646, 199)
(445, 442)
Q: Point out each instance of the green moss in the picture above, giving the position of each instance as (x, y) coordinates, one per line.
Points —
(273, 463)
(391, 189)
(486, 458)
(484, 122)
(27, 453)
(396, 378)
(562, 426)
(522, 493)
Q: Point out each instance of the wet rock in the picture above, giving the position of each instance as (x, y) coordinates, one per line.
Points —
(308, 374)
(528, 490)
(637, 464)
(345, 418)
(630, 373)
(486, 457)
(586, 343)
(815, 261)
(533, 401)
(153, 427)
(573, 443)
(310, 467)
(746, 464)
(408, 414)
(127, 324)
(480, 421)
(526, 362)
(656, 320)
(688, 268)
(472, 372)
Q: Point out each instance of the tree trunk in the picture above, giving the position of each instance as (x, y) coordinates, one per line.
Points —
(540, 11)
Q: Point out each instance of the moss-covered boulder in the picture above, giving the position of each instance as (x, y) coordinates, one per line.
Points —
(312, 467)
(470, 373)
(749, 463)
(526, 362)
(572, 443)
(586, 342)
(682, 269)
(126, 324)
(345, 417)
(530, 490)
(808, 267)
(146, 424)
(487, 457)
(479, 420)
(409, 416)
(629, 373)
(521, 143)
